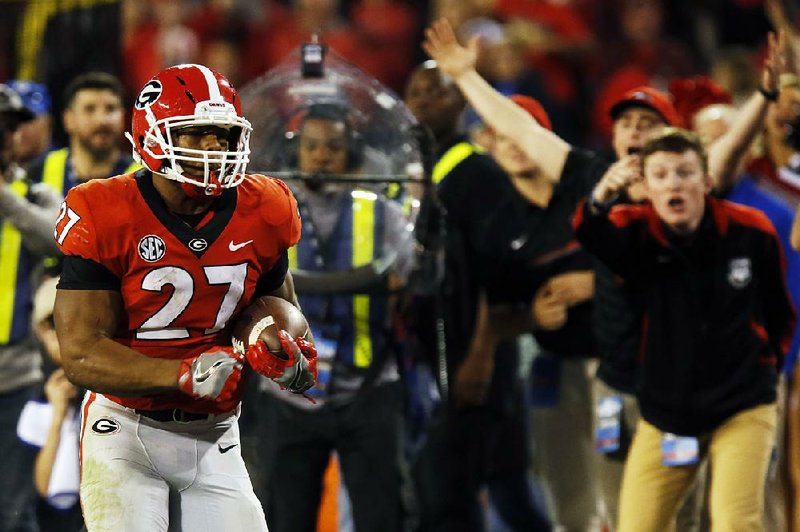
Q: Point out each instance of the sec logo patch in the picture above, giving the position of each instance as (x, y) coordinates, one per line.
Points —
(105, 425)
(152, 248)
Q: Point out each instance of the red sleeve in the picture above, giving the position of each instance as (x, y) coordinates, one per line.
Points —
(279, 208)
(75, 231)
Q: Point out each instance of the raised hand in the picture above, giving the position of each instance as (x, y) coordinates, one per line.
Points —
(443, 47)
(776, 63)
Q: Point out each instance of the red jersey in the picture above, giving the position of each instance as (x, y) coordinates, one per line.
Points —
(181, 286)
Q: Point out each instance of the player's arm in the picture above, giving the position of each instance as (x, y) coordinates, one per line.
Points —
(541, 145)
(85, 323)
(286, 290)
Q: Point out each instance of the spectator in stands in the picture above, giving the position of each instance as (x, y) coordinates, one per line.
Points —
(482, 437)
(94, 120)
(56, 469)
(641, 55)
(777, 152)
(27, 217)
(279, 34)
(637, 115)
(709, 371)
(155, 35)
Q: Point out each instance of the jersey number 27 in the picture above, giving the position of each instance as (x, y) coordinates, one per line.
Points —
(157, 326)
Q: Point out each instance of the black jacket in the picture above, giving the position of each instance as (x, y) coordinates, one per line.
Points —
(717, 317)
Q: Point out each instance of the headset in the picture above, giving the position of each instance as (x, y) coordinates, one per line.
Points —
(332, 112)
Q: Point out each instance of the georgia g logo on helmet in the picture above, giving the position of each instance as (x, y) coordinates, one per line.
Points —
(149, 95)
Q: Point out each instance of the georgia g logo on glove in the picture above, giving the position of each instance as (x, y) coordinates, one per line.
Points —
(297, 372)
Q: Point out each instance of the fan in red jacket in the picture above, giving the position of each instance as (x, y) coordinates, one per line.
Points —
(717, 321)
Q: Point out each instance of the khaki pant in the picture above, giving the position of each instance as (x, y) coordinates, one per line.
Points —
(738, 451)
(564, 454)
(611, 468)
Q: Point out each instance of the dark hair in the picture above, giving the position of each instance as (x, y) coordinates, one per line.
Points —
(329, 112)
(93, 81)
(675, 140)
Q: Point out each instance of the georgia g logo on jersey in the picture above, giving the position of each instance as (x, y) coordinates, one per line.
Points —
(149, 95)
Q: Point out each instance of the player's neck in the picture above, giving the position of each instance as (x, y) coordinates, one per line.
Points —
(176, 199)
(88, 165)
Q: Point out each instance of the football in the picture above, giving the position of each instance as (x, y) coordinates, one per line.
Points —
(263, 319)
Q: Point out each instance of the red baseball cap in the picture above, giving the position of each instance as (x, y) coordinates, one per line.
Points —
(534, 108)
(650, 98)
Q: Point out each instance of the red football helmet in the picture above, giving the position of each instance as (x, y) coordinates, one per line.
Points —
(190, 95)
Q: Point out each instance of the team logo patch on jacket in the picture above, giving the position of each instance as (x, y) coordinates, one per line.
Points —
(740, 272)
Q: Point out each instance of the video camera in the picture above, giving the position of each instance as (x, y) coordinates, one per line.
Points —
(12, 113)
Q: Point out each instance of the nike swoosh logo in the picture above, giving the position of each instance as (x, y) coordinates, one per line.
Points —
(236, 247)
(224, 450)
(517, 243)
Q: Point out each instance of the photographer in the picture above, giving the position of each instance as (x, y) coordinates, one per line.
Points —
(27, 214)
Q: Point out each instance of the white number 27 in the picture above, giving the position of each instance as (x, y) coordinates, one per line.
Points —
(157, 326)
(73, 219)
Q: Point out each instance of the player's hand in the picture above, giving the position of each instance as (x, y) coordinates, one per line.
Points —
(619, 176)
(213, 374)
(297, 372)
(549, 308)
(442, 46)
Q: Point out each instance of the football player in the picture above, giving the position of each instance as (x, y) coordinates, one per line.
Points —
(158, 264)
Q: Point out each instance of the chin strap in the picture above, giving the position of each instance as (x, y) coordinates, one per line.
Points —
(199, 193)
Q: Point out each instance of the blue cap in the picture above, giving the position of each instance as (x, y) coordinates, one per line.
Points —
(35, 96)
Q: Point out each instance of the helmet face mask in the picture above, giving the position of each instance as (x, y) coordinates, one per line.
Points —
(190, 96)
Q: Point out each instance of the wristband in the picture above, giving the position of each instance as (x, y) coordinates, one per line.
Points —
(770, 96)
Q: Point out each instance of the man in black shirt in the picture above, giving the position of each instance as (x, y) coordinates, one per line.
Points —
(485, 440)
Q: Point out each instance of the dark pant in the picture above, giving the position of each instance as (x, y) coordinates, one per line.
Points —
(366, 435)
(17, 501)
(468, 448)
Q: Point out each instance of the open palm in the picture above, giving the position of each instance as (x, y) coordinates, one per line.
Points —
(443, 47)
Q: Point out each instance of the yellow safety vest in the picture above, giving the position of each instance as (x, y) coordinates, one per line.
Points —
(363, 252)
(10, 249)
(453, 158)
(55, 169)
